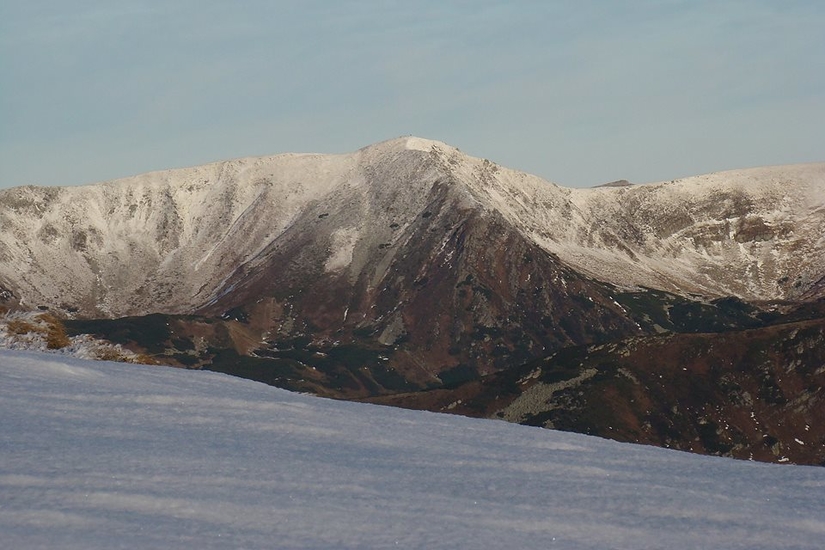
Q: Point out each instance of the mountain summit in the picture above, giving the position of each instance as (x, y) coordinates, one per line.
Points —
(176, 240)
(408, 264)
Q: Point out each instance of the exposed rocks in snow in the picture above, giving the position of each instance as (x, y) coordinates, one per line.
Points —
(44, 332)
(169, 241)
(408, 265)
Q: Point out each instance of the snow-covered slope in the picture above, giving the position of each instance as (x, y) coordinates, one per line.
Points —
(104, 455)
(169, 241)
(756, 234)
(157, 241)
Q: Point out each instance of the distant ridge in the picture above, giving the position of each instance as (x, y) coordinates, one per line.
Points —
(617, 183)
(171, 240)
(409, 265)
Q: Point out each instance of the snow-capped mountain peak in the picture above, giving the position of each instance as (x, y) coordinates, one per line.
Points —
(171, 240)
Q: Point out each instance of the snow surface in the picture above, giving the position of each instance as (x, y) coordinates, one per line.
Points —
(107, 455)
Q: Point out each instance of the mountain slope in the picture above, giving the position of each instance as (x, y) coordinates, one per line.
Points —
(755, 234)
(410, 266)
(752, 394)
(168, 241)
(100, 455)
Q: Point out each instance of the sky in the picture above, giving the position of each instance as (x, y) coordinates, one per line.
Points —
(104, 455)
(580, 93)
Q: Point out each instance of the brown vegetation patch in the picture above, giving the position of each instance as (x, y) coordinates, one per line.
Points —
(55, 332)
(21, 326)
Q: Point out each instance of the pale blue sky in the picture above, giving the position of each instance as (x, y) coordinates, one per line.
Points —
(580, 93)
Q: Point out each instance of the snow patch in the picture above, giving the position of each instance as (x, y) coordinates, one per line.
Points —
(420, 144)
(342, 248)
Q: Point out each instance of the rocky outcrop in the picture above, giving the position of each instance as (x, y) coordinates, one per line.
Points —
(754, 394)
(410, 266)
(177, 241)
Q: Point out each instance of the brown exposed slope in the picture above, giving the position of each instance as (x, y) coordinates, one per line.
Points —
(456, 294)
(409, 265)
(757, 393)
(170, 241)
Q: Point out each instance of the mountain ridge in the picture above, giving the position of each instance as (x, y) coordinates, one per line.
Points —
(173, 226)
(408, 265)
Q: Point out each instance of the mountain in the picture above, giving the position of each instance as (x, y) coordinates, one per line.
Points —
(102, 455)
(753, 394)
(177, 241)
(409, 266)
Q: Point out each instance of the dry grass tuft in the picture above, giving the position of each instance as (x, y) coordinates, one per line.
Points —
(21, 326)
(114, 354)
(56, 337)
(53, 331)
(110, 354)
(143, 359)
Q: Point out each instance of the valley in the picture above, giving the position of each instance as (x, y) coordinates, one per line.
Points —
(686, 314)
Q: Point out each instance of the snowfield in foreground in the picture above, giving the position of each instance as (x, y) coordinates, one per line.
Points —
(105, 455)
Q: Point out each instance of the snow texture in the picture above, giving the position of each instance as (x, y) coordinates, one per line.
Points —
(106, 455)
(169, 241)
